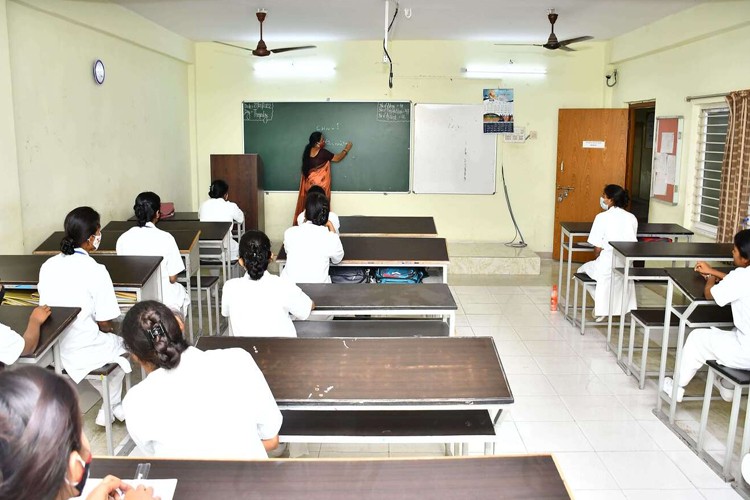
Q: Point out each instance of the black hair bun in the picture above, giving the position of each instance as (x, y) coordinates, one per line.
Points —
(67, 246)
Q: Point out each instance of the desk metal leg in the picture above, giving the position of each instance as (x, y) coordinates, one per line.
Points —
(611, 300)
(664, 343)
(445, 273)
(560, 269)
(677, 360)
(623, 306)
(57, 357)
(452, 324)
(570, 267)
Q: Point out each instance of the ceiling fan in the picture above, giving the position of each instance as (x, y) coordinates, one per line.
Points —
(552, 42)
(261, 50)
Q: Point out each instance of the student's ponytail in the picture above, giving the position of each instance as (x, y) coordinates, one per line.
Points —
(306, 165)
(255, 252)
(317, 208)
(150, 331)
(79, 225)
(145, 207)
(619, 196)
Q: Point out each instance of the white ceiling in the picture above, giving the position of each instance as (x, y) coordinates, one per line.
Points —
(520, 21)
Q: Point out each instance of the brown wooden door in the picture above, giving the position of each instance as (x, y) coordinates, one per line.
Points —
(591, 153)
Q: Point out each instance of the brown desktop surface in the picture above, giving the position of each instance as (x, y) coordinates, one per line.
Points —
(379, 250)
(124, 271)
(17, 318)
(385, 371)
(339, 296)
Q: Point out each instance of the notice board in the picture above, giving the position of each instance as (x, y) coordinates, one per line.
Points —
(665, 170)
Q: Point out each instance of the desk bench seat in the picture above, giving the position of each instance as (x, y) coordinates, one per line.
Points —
(372, 328)
(377, 426)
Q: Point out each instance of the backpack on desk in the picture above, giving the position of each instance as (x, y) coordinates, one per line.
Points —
(166, 210)
(403, 275)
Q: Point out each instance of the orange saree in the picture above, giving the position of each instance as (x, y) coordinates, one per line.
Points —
(318, 176)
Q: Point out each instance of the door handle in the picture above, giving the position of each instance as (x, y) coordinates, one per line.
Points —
(566, 188)
(562, 166)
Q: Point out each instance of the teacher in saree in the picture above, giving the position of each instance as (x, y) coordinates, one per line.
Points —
(316, 168)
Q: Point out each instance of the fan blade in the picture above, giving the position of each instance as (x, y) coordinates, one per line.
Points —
(566, 48)
(235, 46)
(576, 40)
(518, 45)
(287, 49)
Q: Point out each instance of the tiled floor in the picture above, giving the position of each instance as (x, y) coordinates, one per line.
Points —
(571, 399)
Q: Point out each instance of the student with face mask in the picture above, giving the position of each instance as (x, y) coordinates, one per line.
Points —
(613, 224)
(44, 454)
(73, 279)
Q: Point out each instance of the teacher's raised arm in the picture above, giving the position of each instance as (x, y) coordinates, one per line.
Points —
(316, 168)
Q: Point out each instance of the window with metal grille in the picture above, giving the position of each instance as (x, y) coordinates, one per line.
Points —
(712, 135)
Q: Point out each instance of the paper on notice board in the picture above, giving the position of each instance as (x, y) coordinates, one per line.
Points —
(163, 488)
(671, 169)
(660, 175)
(667, 143)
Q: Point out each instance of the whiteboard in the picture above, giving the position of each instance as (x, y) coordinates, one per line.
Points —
(452, 154)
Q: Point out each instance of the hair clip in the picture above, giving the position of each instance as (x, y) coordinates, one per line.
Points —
(155, 331)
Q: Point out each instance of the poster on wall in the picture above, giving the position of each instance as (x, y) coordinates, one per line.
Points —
(498, 111)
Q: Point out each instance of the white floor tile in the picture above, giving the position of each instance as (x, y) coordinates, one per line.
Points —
(353, 454)
(696, 470)
(464, 331)
(487, 320)
(617, 436)
(482, 308)
(720, 494)
(546, 437)
(603, 365)
(663, 494)
(497, 332)
(641, 406)
(484, 298)
(508, 439)
(522, 320)
(584, 471)
(354, 448)
(619, 383)
(462, 320)
(562, 365)
(598, 495)
(530, 385)
(592, 408)
(517, 299)
(539, 333)
(520, 365)
(511, 348)
(645, 470)
(578, 385)
(548, 348)
(503, 290)
(540, 409)
(662, 436)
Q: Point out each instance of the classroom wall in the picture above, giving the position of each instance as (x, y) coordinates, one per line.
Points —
(425, 72)
(78, 143)
(703, 50)
(10, 199)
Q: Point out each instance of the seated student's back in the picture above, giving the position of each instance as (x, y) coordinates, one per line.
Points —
(313, 246)
(259, 303)
(214, 404)
(218, 208)
(148, 240)
(332, 217)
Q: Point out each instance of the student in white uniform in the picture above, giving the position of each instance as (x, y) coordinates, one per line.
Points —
(73, 279)
(332, 217)
(224, 389)
(730, 348)
(313, 246)
(13, 345)
(614, 224)
(259, 303)
(44, 452)
(218, 208)
(148, 240)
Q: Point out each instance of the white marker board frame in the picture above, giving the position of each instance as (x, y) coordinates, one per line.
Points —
(452, 154)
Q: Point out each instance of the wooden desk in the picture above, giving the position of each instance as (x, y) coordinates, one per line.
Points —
(141, 275)
(17, 318)
(366, 225)
(343, 299)
(371, 251)
(497, 477)
(692, 286)
(372, 328)
(377, 373)
(658, 251)
(571, 230)
(187, 243)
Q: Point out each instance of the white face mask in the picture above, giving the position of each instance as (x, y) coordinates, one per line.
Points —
(97, 241)
(603, 203)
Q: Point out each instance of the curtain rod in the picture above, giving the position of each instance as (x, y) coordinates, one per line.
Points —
(696, 97)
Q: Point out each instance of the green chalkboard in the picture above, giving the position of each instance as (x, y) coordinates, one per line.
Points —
(380, 133)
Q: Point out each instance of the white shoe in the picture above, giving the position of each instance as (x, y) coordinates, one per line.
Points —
(119, 412)
(600, 319)
(100, 418)
(669, 386)
(727, 393)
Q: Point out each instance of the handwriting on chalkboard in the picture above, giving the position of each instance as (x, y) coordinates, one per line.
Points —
(258, 111)
(393, 112)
